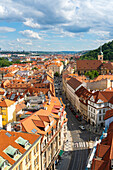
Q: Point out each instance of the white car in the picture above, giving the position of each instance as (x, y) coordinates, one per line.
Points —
(82, 127)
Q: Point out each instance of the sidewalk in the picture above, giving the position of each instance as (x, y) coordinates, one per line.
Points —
(93, 129)
(66, 157)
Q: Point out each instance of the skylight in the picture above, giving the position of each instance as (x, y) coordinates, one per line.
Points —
(8, 134)
(34, 130)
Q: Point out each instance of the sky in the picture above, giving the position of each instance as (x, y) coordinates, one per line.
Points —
(55, 25)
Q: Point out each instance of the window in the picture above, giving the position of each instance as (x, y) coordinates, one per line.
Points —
(34, 162)
(3, 108)
(34, 151)
(44, 155)
(19, 167)
(3, 113)
(45, 142)
(105, 104)
(37, 160)
(103, 110)
(25, 160)
(37, 147)
(29, 157)
(3, 119)
(99, 111)
(89, 108)
(99, 118)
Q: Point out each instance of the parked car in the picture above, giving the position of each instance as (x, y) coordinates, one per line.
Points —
(82, 127)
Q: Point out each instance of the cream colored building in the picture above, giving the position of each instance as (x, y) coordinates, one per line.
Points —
(56, 66)
(51, 123)
(73, 85)
(19, 151)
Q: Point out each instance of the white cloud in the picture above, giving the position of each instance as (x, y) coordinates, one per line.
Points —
(60, 18)
(24, 41)
(72, 16)
(30, 34)
(29, 22)
(6, 29)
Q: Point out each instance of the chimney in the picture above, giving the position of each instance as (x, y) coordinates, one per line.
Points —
(8, 127)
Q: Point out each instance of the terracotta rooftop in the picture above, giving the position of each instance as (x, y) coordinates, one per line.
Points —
(74, 83)
(100, 165)
(109, 113)
(105, 96)
(88, 64)
(6, 103)
(8, 138)
(82, 92)
(104, 152)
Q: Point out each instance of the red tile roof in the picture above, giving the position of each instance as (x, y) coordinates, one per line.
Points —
(109, 113)
(74, 83)
(6, 103)
(105, 96)
(88, 64)
(5, 141)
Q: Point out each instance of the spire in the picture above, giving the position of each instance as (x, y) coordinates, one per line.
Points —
(101, 53)
(100, 56)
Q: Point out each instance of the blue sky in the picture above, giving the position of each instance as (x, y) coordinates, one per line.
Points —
(55, 25)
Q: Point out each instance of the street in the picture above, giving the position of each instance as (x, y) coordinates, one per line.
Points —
(80, 139)
(79, 142)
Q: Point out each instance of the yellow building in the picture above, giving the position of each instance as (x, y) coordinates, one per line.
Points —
(19, 151)
(7, 108)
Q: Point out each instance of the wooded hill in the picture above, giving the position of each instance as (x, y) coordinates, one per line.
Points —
(107, 50)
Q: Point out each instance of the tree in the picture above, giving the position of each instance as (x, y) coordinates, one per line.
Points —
(17, 62)
(92, 74)
(56, 74)
(34, 68)
(107, 49)
(63, 62)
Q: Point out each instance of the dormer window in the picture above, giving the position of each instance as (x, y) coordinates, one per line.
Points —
(12, 152)
(4, 164)
(24, 143)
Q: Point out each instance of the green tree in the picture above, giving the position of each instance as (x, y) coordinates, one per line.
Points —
(17, 62)
(56, 74)
(92, 74)
(107, 49)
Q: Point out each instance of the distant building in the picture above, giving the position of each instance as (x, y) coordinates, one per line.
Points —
(100, 56)
(84, 66)
(55, 66)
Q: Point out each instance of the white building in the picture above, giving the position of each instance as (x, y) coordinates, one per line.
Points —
(98, 104)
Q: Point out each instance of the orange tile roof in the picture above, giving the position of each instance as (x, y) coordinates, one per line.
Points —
(5, 141)
(9, 75)
(88, 64)
(109, 113)
(74, 83)
(6, 103)
(105, 96)
(100, 165)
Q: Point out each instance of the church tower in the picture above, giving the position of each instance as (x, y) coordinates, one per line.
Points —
(100, 56)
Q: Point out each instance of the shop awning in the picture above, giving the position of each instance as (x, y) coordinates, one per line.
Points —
(54, 126)
(49, 132)
(61, 152)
